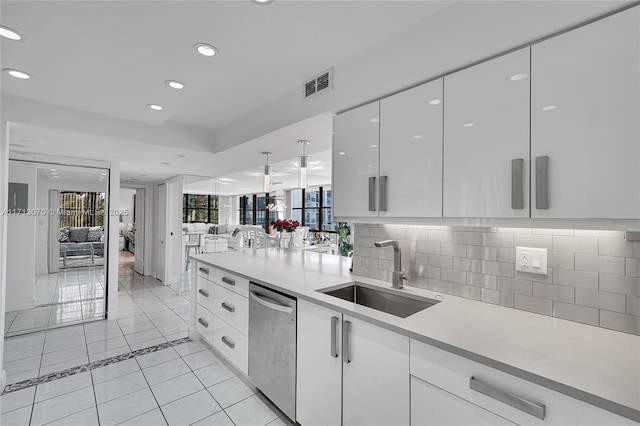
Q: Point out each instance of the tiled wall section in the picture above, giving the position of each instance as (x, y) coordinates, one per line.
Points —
(593, 276)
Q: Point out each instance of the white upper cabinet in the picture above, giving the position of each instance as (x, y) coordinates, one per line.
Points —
(585, 121)
(486, 139)
(411, 153)
(355, 162)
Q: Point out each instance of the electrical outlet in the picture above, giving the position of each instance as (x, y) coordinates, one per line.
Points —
(531, 260)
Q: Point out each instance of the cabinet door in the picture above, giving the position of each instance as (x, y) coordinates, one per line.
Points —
(319, 366)
(486, 122)
(411, 152)
(375, 376)
(584, 118)
(355, 162)
(432, 406)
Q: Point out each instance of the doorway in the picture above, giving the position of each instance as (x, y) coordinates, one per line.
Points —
(56, 247)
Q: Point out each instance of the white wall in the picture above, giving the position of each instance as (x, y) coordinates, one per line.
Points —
(126, 204)
(21, 239)
(4, 182)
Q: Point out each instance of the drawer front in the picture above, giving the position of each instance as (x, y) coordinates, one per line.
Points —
(453, 374)
(232, 282)
(203, 292)
(231, 343)
(231, 307)
(204, 323)
(206, 271)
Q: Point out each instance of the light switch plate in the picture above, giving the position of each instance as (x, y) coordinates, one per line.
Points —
(531, 260)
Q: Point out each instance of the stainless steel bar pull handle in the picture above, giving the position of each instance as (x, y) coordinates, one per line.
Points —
(372, 194)
(228, 281)
(517, 183)
(203, 292)
(334, 336)
(228, 342)
(228, 307)
(203, 322)
(346, 353)
(204, 270)
(383, 193)
(271, 304)
(536, 410)
(542, 182)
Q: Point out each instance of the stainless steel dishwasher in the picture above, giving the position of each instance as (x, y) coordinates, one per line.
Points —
(272, 346)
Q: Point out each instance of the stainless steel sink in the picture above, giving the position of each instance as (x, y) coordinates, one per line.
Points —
(380, 299)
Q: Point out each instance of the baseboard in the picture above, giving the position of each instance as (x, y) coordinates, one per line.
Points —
(3, 380)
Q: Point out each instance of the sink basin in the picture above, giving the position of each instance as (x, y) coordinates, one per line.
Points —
(389, 301)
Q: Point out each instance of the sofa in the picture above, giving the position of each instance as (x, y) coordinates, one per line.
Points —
(81, 241)
(202, 232)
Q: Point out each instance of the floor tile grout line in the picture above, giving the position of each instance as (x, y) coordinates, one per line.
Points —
(153, 394)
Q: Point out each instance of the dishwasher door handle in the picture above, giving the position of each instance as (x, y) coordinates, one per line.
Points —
(267, 303)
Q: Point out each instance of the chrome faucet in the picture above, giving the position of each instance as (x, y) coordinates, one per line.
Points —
(399, 274)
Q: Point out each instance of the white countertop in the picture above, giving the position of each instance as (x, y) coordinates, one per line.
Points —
(599, 366)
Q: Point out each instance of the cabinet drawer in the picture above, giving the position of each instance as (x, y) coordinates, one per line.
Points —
(231, 307)
(203, 292)
(431, 405)
(452, 373)
(205, 271)
(231, 343)
(232, 282)
(204, 323)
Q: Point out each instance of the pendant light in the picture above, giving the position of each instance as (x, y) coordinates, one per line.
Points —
(267, 176)
(304, 169)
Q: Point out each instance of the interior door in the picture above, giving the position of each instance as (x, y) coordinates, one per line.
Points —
(138, 220)
(173, 234)
(162, 226)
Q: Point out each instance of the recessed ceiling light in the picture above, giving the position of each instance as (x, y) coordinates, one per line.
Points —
(205, 49)
(165, 164)
(175, 84)
(180, 155)
(549, 107)
(341, 153)
(374, 146)
(103, 174)
(417, 137)
(7, 32)
(521, 76)
(155, 107)
(55, 176)
(17, 74)
(435, 102)
(374, 120)
(53, 170)
(467, 125)
(262, 2)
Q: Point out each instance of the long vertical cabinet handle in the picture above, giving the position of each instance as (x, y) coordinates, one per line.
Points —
(383, 193)
(542, 182)
(372, 194)
(334, 336)
(517, 183)
(346, 353)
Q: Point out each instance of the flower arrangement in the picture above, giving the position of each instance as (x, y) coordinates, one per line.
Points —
(285, 225)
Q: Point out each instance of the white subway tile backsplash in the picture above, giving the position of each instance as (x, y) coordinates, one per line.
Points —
(601, 300)
(579, 245)
(581, 279)
(533, 304)
(605, 264)
(484, 253)
(576, 313)
(593, 276)
(554, 292)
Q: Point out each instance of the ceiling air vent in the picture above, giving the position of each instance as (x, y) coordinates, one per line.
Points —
(323, 82)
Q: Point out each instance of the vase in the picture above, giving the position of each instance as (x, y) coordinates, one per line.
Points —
(292, 240)
(279, 239)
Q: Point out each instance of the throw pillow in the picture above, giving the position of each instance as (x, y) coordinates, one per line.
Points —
(95, 232)
(64, 235)
(212, 230)
(78, 235)
(235, 232)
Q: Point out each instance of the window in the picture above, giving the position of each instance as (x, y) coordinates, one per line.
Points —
(81, 209)
(199, 208)
(253, 210)
(313, 208)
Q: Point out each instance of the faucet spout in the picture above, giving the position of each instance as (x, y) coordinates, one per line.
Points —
(398, 274)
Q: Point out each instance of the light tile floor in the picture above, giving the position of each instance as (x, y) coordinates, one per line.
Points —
(181, 385)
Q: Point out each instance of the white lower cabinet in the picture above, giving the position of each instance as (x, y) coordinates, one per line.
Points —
(432, 406)
(505, 396)
(222, 313)
(344, 359)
